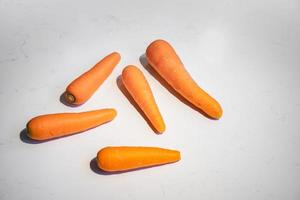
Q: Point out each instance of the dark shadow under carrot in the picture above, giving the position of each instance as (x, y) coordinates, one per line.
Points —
(94, 167)
(166, 85)
(26, 139)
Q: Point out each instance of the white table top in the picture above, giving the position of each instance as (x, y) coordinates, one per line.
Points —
(245, 54)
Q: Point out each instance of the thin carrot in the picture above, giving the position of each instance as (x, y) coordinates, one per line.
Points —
(50, 126)
(163, 58)
(123, 158)
(138, 87)
(82, 88)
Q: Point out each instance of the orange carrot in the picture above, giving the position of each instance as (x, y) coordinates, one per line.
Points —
(138, 87)
(163, 58)
(82, 88)
(123, 158)
(50, 126)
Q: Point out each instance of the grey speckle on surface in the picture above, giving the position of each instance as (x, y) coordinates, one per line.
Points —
(22, 49)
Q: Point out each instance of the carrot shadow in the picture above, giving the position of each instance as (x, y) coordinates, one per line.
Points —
(165, 84)
(24, 138)
(94, 167)
(125, 92)
(63, 100)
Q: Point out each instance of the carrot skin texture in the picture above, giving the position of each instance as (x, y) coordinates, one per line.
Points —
(51, 126)
(83, 87)
(163, 58)
(138, 87)
(113, 159)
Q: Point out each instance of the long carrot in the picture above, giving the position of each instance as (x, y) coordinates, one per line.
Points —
(138, 87)
(82, 88)
(50, 126)
(163, 58)
(123, 158)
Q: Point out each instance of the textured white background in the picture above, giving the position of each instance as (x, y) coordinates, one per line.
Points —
(246, 54)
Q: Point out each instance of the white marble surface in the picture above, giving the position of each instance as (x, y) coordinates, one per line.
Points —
(245, 53)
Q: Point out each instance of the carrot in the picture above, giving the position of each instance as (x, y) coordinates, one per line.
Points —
(123, 158)
(138, 87)
(163, 58)
(50, 126)
(82, 88)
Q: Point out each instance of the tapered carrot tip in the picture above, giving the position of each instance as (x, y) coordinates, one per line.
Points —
(83, 87)
(45, 127)
(165, 61)
(139, 88)
(124, 158)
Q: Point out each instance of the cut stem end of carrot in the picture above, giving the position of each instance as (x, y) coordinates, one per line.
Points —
(70, 98)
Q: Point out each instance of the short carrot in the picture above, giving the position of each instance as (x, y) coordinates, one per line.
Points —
(138, 87)
(82, 88)
(124, 158)
(163, 58)
(50, 126)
